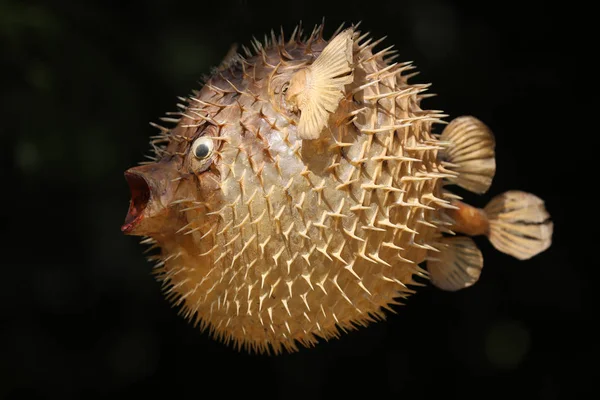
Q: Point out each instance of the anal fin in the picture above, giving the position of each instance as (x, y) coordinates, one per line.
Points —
(458, 264)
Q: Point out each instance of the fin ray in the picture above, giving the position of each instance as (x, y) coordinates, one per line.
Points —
(519, 224)
(457, 266)
(318, 89)
(472, 151)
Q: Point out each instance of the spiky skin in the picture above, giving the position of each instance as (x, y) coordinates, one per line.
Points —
(281, 240)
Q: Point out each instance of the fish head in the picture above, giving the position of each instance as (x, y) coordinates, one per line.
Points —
(245, 130)
(178, 187)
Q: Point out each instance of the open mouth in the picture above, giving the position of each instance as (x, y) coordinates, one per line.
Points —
(140, 194)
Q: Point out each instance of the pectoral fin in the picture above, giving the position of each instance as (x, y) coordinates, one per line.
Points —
(230, 57)
(457, 265)
(318, 89)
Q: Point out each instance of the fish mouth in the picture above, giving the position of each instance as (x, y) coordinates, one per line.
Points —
(140, 195)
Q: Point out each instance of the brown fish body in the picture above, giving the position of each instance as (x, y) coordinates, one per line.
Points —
(294, 229)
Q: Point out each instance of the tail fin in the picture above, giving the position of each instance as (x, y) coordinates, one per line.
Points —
(519, 224)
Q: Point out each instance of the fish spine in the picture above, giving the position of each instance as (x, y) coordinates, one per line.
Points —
(300, 246)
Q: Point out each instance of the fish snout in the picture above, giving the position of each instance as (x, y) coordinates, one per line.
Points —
(151, 188)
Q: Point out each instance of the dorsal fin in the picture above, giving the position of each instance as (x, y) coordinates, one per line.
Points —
(318, 89)
(471, 152)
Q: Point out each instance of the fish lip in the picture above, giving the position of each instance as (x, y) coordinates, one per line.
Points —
(140, 196)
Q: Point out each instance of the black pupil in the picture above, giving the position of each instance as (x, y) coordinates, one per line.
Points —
(202, 150)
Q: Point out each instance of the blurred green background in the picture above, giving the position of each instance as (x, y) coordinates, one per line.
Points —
(81, 316)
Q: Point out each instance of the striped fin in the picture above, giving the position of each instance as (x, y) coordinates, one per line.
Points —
(457, 265)
(471, 153)
(519, 224)
(318, 89)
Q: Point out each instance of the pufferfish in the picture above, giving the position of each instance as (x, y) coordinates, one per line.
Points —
(302, 192)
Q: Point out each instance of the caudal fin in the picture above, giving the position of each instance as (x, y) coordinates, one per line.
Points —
(519, 224)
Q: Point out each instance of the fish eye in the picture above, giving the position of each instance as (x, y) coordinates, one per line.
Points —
(202, 148)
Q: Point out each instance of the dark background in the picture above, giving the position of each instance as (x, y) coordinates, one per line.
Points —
(81, 316)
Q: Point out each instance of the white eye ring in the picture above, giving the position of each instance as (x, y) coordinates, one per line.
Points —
(202, 148)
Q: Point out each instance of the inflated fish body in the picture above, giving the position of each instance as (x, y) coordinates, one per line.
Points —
(303, 185)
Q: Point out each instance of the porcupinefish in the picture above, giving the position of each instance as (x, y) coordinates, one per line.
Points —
(302, 190)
